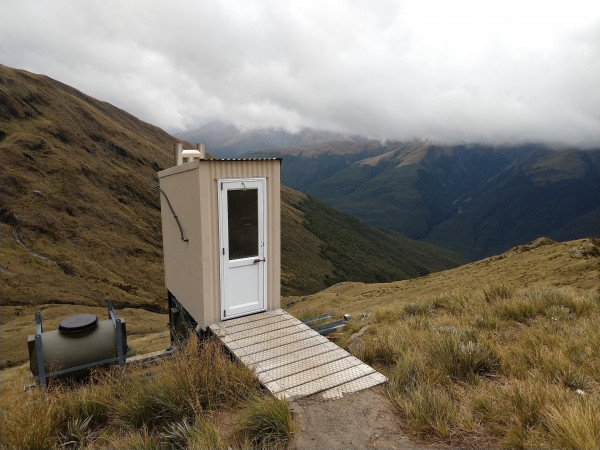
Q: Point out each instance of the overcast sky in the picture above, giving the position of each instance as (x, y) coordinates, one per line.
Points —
(451, 71)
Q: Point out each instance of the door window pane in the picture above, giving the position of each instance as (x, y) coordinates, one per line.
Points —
(242, 216)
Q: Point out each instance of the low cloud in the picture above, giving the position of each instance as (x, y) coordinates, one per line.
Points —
(506, 71)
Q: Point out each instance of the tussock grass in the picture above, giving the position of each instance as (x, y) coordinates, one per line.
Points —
(201, 435)
(406, 375)
(486, 323)
(429, 409)
(454, 302)
(381, 346)
(33, 422)
(497, 292)
(266, 421)
(574, 425)
(463, 359)
(163, 406)
(417, 308)
(134, 439)
(499, 367)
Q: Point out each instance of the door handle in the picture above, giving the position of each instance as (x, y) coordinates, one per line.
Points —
(257, 260)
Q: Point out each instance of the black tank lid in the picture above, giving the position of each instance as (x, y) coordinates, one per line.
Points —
(78, 323)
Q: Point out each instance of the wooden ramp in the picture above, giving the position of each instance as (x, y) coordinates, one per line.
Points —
(291, 359)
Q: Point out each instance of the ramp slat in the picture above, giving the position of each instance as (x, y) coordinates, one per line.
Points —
(291, 359)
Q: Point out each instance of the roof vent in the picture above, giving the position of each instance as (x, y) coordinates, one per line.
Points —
(183, 156)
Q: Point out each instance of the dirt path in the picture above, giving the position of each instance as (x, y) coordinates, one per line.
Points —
(364, 419)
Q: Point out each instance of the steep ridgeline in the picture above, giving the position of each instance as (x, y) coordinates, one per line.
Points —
(227, 141)
(77, 188)
(472, 199)
(322, 246)
(80, 215)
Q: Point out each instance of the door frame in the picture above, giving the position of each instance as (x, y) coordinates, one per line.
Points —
(224, 260)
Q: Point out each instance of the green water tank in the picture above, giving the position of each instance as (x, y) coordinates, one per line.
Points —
(80, 339)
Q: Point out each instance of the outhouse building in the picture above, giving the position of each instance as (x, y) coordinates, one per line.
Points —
(221, 235)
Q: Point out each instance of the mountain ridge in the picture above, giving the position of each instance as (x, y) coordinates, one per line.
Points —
(80, 215)
(227, 141)
(456, 197)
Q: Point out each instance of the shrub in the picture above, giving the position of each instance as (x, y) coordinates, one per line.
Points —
(266, 421)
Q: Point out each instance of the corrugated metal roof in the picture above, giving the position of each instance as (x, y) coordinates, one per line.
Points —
(242, 159)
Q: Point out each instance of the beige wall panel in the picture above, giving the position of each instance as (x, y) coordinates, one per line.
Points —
(183, 259)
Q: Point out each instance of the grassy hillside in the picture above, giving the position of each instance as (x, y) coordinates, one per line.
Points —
(473, 199)
(358, 251)
(550, 193)
(500, 353)
(77, 188)
(542, 263)
(80, 215)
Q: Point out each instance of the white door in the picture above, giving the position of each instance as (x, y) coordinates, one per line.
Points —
(242, 226)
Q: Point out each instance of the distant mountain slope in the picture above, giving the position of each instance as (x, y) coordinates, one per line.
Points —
(541, 264)
(80, 215)
(227, 141)
(327, 246)
(476, 200)
(77, 187)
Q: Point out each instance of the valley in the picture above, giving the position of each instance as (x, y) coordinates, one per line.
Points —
(476, 200)
(80, 212)
(500, 352)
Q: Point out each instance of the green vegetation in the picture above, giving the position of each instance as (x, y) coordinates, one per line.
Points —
(475, 200)
(500, 353)
(360, 252)
(78, 189)
(178, 403)
(510, 368)
(266, 421)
